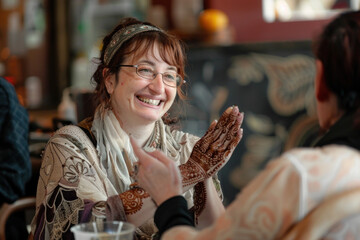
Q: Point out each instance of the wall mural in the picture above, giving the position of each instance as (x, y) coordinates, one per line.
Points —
(272, 83)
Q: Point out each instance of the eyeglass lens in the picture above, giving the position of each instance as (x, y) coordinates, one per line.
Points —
(169, 78)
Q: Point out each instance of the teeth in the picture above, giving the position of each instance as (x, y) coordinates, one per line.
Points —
(149, 101)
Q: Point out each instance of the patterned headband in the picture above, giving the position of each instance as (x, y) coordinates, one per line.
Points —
(123, 35)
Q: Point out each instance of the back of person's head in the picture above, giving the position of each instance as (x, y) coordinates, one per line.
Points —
(338, 48)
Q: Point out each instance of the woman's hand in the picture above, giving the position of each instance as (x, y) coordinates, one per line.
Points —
(157, 174)
(214, 149)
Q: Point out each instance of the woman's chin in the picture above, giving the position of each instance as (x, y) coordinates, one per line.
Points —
(150, 115)
(149, 118)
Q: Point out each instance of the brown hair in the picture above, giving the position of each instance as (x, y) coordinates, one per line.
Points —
(172, 51)
(338, 48)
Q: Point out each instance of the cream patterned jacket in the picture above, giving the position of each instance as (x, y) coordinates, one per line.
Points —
(281, 195)
(74, 187)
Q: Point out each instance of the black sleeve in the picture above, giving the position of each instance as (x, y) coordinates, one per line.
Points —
(173, 212)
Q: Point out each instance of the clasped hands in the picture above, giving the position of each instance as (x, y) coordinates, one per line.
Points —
(162, 179)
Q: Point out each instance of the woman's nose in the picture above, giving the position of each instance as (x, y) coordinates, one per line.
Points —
(157, 85)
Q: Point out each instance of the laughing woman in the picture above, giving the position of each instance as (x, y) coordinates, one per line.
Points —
(87, 170)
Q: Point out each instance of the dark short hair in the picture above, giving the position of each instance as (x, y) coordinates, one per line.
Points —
(338, 48)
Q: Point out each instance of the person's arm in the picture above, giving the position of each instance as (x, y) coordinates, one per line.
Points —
(15, 165)
(218, 143)
(71, 177)
(173, 212)
(209, 155)
(207, 202)
(264, 209)
(70, 189)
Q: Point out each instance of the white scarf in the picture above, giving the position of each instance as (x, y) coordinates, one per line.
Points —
(117, 156)
(114, 149)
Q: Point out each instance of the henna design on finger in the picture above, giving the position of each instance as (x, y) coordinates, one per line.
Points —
(228, 116)
(204, 143)
(231, 147)
(132, 199)
(229, 137)
(226, 123)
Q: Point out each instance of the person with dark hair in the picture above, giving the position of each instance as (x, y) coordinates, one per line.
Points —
(337, 82)
(295, 183)
(14, 151)
(15, 164)
(87, 170)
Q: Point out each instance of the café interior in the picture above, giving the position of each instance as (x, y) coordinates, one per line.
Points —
(253, 54)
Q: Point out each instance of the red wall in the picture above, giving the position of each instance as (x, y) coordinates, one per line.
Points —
(246, 17)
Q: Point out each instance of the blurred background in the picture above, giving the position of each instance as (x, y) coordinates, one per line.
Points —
(251, 53)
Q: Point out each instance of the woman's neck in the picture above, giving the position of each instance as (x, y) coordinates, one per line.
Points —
(140, 132)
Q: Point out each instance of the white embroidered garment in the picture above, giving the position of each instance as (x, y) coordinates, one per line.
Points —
(288, 188)
(73, 175)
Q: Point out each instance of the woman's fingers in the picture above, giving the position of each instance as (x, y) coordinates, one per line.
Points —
(160, 156)
(217, 129)
(228, 116)
(227, 120)
(170, 164)
(144, 158)
(232, 145)
(205, 141)
(229, 137)
(157, 174)
(213, 150)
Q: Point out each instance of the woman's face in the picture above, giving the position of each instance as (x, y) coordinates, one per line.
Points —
(136, 100)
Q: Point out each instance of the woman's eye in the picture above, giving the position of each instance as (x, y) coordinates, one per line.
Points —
(146, 70)
(170, 76)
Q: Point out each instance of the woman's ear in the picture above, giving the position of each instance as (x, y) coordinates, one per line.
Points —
(109, 80)
(322, 92)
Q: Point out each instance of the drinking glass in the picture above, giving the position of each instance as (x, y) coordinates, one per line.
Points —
(107, 230)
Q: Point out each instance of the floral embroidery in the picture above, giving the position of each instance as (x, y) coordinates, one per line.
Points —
(75, 168)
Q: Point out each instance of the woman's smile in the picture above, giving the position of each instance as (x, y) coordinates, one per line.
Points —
(138, 100)
(153, 102)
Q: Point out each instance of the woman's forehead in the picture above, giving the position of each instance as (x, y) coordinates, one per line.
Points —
(144, 52)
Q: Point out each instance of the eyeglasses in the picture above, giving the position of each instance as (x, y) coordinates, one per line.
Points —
(171, 79)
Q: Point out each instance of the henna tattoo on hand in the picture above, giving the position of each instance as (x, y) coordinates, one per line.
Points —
(199, 200)
(132, 199)
(214, 149)
(191, 173)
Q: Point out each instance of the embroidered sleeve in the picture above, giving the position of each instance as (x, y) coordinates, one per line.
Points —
(70, 188)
